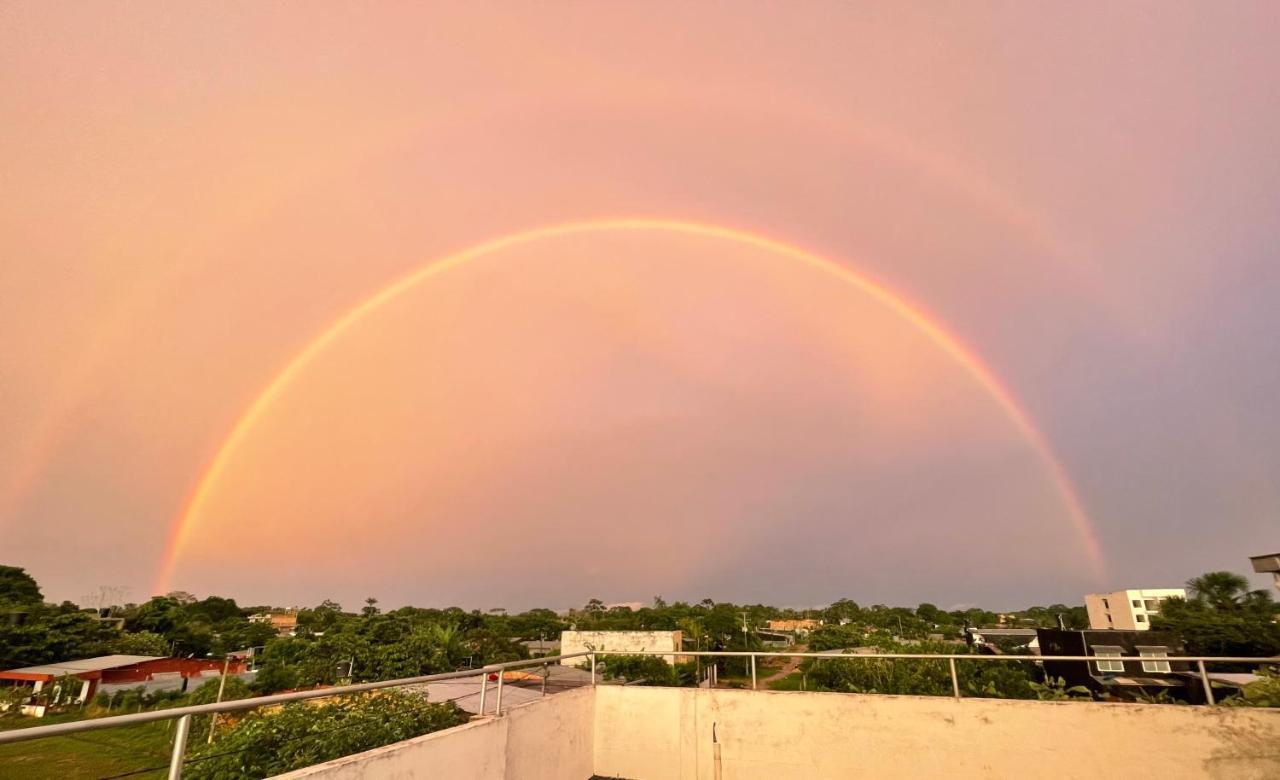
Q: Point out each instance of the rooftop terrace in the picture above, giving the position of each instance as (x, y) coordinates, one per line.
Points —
(568, 726)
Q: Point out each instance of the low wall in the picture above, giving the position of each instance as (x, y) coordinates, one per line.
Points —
(544, 740)
(619, 642)
(659, 733)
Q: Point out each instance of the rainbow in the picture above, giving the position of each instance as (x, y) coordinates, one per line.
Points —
(958, 352)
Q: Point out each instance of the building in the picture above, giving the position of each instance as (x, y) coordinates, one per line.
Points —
(110, 670)
(572, 642)
(1129, 610)
(1130, 663)
(285, 623)
(1267, 564)
(797, 627)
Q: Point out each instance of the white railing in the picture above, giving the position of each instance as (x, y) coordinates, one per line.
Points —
(183, 715)
(951, 659)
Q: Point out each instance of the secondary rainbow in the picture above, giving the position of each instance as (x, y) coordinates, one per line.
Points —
(958, 352)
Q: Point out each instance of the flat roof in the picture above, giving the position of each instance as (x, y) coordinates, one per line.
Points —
(82, 665)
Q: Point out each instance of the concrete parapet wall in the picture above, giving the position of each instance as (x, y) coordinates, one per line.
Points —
(619, 642)
(695, 734)
(667, 733)
(545, 740)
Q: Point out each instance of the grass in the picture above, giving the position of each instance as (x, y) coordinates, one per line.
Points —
(792, 682)
(95, 754)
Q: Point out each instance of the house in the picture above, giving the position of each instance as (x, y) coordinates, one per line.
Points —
(285, 623)
(109, 669)
(797, 627)
(1128, 665)
(1128, 609)
(1267, 564)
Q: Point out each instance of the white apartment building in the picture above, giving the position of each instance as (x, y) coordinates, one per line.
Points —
(1128, 609)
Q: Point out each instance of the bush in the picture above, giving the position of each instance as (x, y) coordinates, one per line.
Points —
(1263, 693)
(640, 669)
(267, 743)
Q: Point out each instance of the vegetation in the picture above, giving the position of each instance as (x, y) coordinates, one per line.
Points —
(98, 754)
(648, 670)
(1263, 693)
(263, 744)
(1223, 617)
(869, 674)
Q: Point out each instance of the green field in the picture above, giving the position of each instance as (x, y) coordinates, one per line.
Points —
(96, 754)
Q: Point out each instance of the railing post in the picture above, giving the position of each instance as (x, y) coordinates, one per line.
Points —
(955, 679)
(484, 685)
(497, 710)
(593, 667)
(179, 747)
(546, 672)
(1208, 689)
(753, 671)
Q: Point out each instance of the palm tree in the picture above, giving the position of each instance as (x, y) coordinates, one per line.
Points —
(1219, 589)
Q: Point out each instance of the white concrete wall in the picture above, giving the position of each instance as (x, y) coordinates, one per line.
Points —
(666, 733)
(618, 641)
(1120, 606)
(545, 740)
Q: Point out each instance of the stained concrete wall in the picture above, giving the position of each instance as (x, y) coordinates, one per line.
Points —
(667, 734)
(618, 641)
(661, 733)
(544, 740)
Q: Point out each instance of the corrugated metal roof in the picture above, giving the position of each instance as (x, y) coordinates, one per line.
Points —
(98, 664)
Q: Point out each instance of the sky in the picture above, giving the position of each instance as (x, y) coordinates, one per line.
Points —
(895, 302)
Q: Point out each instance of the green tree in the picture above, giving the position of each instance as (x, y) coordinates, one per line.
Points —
(1240, 630)
(139, 643)
(17, 588)
(1219, 589)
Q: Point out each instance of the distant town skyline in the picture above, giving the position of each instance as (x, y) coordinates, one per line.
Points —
(969, 305)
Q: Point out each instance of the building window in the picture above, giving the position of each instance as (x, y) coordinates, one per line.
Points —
(1154, 653)
(1137, 603)
(1140, 618)
(1108, 652)
(1153, 605)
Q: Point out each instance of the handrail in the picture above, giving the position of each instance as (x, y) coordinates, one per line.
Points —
(944, 656)
(951, 659)
(74, 727)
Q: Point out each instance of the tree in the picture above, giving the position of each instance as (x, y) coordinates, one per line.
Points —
(370, 607)
(1247, 630)
(139, 643)
(17, 588)
(1219, 589)
(930, 613)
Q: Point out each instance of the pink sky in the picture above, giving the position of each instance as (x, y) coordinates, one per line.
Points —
(1087, 197)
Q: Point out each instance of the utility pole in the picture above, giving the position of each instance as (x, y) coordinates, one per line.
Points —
(222, 685)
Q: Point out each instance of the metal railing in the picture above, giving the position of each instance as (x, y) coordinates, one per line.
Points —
(183, 715)
(951, 659)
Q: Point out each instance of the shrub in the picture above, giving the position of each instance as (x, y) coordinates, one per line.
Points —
(267, 743)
